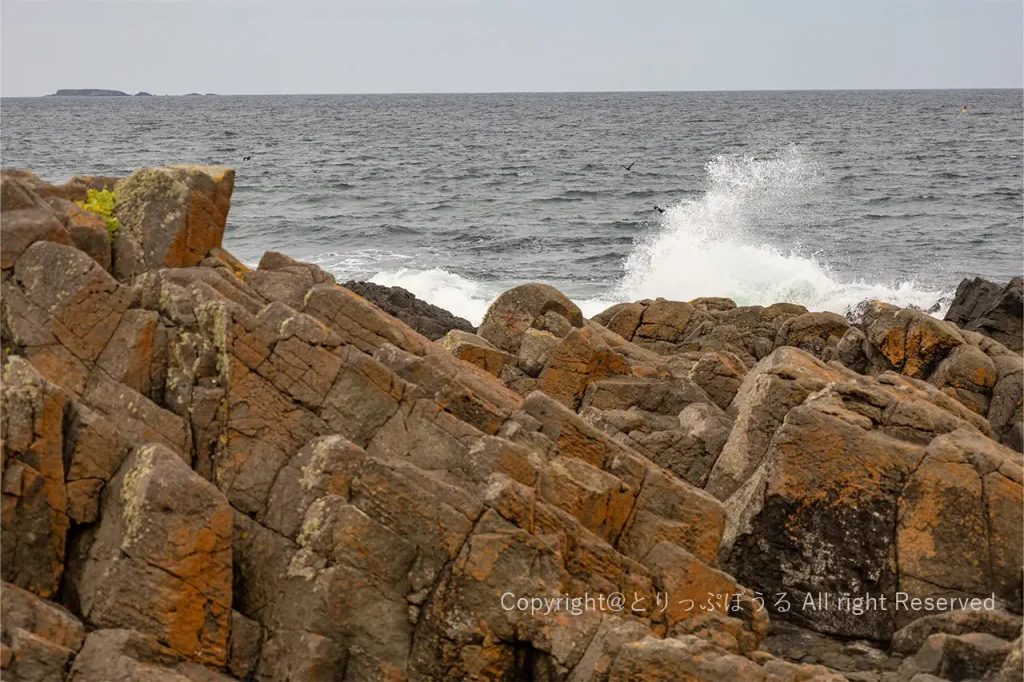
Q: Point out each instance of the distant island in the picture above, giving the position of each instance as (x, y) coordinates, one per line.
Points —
(90, 92)
(96, 92)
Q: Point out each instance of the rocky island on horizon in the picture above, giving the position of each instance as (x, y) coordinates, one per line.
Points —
(216, 472)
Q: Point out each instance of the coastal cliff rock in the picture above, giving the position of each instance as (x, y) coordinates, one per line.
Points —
(427, 319)
(212, 472)
(993, 310)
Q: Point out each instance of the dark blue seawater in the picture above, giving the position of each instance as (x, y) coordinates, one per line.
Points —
(821, 198)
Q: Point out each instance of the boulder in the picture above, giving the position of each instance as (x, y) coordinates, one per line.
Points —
(518, 309)
(93, 452)
(974, 656)
(816, 333)
(969, 375)
(991, 309)
(431, 321)
(998, 623)
(720, 375)
(18, 191)
(912, 341)
(170, 217)
(21, 229)
(160, 560)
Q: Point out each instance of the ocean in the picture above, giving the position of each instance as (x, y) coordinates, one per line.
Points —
(820, 198)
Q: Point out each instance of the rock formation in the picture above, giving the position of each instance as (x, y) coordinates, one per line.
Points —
(212, 472)
(427, 319)
(993, 310)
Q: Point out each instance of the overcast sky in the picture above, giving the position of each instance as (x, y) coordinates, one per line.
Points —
(362, 46)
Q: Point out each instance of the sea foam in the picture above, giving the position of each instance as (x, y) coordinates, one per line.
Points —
(717, 244)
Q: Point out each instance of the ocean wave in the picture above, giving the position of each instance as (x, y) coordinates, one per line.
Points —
(711, 246)
(447, 290)
(707, 246)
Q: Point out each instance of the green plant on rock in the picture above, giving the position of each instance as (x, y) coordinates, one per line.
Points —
(102, 202)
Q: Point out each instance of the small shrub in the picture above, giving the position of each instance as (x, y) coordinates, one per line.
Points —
(102, 202)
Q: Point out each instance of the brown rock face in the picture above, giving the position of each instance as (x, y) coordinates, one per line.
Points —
(856, 460)
(256, 473)
(524, 307)
(35, 520)
(170, 217)
(160, 559)
(912, 341)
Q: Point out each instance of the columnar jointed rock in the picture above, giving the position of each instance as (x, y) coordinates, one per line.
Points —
(261, 474)
(160, 560)
(170, 217)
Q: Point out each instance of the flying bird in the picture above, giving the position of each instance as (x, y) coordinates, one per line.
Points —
(629, 167)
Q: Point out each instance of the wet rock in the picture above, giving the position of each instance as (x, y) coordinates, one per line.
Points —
(519, 308)
(993, 310)
(431, 321)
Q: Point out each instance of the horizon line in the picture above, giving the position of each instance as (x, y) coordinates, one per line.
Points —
(510, 92)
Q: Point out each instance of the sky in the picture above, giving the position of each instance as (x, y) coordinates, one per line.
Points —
(384, 46)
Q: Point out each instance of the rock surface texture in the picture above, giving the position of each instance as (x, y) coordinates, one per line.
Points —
(212, 472)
